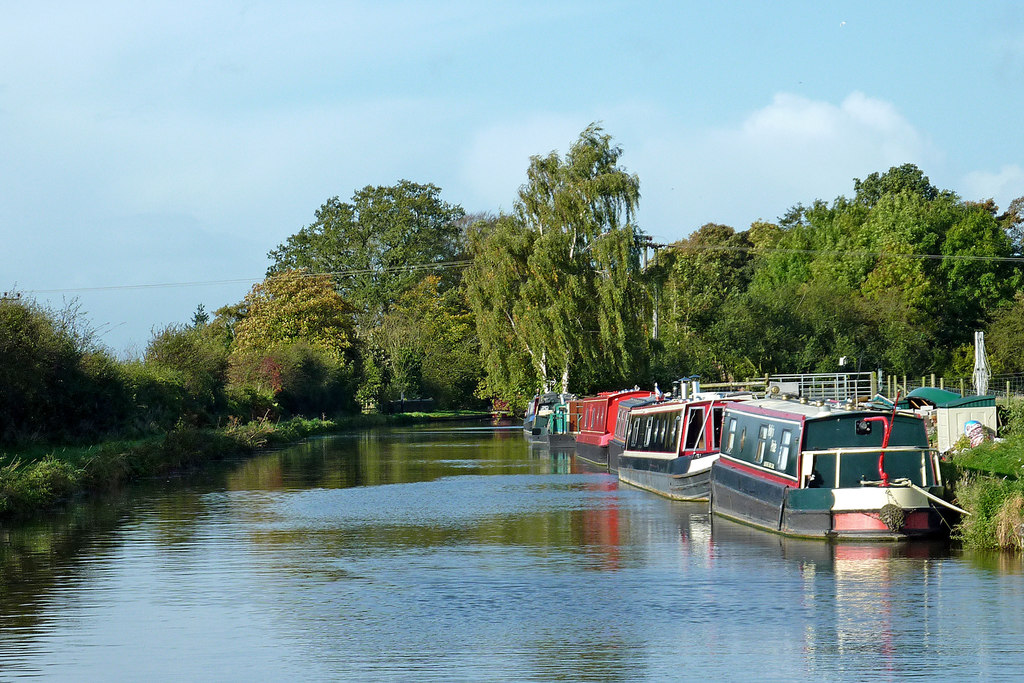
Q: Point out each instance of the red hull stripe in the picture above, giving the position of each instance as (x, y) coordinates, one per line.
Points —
(757, 471)
(917, 520)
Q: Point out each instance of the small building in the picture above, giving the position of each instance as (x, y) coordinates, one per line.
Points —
(952, 411)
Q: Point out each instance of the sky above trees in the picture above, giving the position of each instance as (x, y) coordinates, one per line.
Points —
(177, 143)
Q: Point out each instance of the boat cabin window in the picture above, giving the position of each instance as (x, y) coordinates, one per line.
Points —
(647, 436)
(784, 448)
(730, 442)
(762, 444)
(696, 435)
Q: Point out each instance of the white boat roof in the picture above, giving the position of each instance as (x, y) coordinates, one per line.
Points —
(809, 409)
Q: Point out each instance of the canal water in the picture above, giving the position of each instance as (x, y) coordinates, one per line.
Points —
(439, 553)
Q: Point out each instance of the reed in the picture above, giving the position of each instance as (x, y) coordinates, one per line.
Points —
(38, 478)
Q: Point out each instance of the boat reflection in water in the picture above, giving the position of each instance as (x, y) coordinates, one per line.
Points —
(855, 595)
(561, 457)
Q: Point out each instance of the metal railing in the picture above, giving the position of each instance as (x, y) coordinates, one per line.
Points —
(838, 386)
(1004, 386)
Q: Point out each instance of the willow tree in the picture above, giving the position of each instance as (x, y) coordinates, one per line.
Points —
(564, 271)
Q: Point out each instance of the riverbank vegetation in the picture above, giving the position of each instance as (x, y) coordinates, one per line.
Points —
(398, 294)
(990, 485)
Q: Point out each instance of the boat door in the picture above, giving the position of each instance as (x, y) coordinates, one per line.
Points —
(695, 438)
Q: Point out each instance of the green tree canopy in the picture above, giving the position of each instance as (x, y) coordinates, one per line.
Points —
(570, 288)
(296, 305)
(378, 245)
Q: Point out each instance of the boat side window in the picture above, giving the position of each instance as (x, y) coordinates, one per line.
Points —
(762, 443)
(647, 436)
(730, 442)
(784, 448)
(673, 435)
(743, 438)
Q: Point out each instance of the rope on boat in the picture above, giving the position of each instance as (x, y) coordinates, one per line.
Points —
(906, 483)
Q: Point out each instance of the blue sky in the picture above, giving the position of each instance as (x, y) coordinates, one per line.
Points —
(176, 143)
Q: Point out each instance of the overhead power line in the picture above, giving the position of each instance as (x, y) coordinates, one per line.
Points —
(838, 252)
(212, 283)
(464, 263)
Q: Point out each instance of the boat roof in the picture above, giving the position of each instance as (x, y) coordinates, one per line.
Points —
(702, 397)
(619, 396)
(806, 410)
(809, 410)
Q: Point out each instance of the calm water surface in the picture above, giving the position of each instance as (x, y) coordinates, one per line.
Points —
(460, 554)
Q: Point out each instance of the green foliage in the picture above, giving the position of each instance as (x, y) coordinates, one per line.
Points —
(376, 246)
(445, 340)
(567, 287)
(1011, 418)
(295, 305)
(692, 280)
(1004, 339)
(198, 358)
(55, 384)
(995, 504)
(292, 378)
(907, 178)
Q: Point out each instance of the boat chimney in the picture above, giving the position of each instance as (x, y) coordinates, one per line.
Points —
(684, 389)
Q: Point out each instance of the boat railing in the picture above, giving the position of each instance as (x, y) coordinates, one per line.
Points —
(848, 467)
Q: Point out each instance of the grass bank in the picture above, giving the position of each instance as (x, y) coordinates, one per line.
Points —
(39, 477)
(989, 483)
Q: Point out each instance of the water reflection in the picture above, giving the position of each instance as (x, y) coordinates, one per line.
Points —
(445, 553)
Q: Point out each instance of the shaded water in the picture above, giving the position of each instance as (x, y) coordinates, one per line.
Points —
(459, 554)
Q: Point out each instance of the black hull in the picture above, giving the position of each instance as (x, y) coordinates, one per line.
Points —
(614, 453)
(596, 456)
(682, 478)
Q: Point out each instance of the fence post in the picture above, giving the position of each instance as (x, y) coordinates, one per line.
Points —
(942, 383)
(961, 386)
(1007, 388)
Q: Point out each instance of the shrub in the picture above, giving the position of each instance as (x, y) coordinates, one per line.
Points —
(296, 378)
(1011, 417)
(200, 358)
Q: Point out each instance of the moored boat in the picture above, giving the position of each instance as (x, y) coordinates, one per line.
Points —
(826, 471)
(617, 442)
(546, 422)
(597, 420)
(670, 446)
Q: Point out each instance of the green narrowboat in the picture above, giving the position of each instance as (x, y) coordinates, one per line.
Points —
(826, 471)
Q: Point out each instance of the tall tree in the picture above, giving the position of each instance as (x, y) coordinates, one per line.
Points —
(575, 302)
(378, 245)
(292, 306)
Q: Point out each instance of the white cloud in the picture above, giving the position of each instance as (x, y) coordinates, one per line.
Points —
(790, 151)
(1003, 186)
